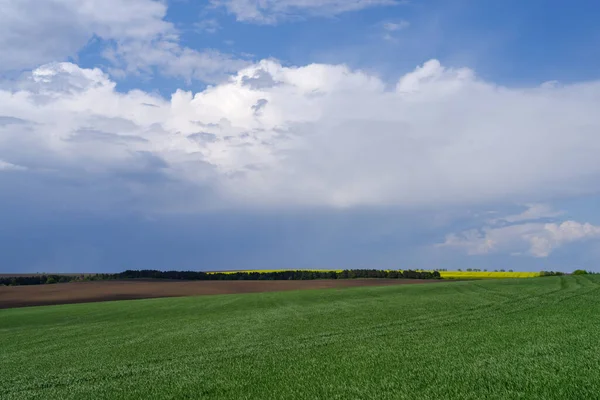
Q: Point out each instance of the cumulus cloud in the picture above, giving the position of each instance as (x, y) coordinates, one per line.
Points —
(273, 11)
(317, 135)
(526, 231)
(538, 239)
(555, 235)
(134, 32)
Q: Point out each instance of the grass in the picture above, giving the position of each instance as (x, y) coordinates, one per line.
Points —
(492, 339)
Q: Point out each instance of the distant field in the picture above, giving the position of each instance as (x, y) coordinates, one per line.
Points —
(485, 339)
(486, 275)
(87, 292)
(443, 274)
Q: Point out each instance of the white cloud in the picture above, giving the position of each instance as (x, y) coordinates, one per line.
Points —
(390, 28)
(135, 31)
(273, 11)
(173, 60)
(533, 212)
(210, 25)
(527, 230)
(556, 235)
(318, 135)
(538, 239)
(6, 166)
(34, 32)
(395, 26)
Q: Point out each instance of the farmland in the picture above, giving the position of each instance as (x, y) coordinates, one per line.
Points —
(496, 339)
(253, 275)
(486, 275)
(88, 292)
(444, 274)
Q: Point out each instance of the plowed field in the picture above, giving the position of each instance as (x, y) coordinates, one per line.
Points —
(87, 292)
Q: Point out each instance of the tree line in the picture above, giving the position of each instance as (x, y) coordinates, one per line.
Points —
(223, 276)
(36, 280)
(553, 273)
(42, 279)
(280, 275)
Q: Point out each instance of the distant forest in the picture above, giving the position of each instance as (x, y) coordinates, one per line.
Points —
(222, 276)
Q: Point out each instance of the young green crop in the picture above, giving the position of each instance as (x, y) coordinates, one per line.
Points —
(492, 339)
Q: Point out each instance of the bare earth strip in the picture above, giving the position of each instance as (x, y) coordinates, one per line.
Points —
(86, 292)
(49, 273)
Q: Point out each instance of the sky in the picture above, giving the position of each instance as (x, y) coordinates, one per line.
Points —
(249, 134)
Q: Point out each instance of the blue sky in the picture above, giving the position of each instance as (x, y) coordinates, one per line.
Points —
(510, 42)
(299, 133)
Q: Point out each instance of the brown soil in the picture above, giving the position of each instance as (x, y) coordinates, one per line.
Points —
(38, 274)
(86, 292)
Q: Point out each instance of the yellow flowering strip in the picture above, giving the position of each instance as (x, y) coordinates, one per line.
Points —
(486, 275)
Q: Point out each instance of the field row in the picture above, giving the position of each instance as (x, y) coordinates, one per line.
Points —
(504, 339)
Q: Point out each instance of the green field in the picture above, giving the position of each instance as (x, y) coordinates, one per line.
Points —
(504, 339)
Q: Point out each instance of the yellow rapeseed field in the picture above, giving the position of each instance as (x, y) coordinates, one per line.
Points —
(486, 275)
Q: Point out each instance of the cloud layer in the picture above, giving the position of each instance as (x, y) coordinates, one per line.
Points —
(529, 232)
(536, 239)
(134, 36)
(318, 135)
